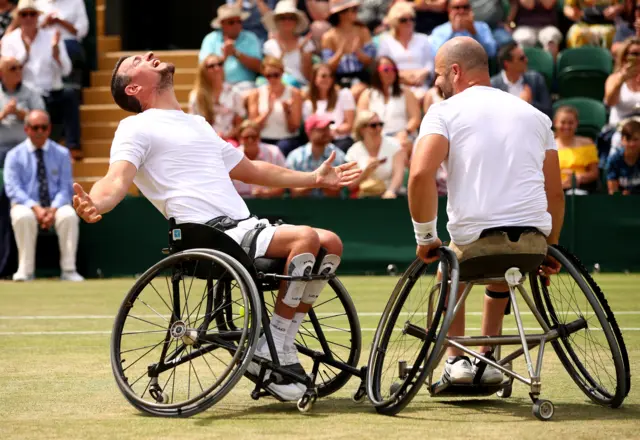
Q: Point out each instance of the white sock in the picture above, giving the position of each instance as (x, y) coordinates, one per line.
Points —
(279, 327)
(292, 332)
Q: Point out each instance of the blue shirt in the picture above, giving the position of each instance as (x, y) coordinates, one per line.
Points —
(443, 33)
(21, 177)
(234, 70)
(628, 176)
(301, 159)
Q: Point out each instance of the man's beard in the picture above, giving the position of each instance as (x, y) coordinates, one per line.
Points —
(446, 92)
(166, 77)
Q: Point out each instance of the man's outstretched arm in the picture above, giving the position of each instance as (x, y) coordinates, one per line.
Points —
(106, 193)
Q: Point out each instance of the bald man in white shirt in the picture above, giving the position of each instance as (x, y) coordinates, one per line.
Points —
(185, 169)
(504, 191)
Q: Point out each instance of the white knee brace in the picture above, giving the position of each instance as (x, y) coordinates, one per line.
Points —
(300, 265)
(312, 290)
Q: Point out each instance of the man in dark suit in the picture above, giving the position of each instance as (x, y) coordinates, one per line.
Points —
(517, 80)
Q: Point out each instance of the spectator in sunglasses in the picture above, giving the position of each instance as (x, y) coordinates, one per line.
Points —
(326, 98)
(216, 100)
(16, 101)
(461, 23)
(380, 157)
(396, 105)
(515, 78)
(410, 50)
(276, 108)
(240, 49)
(254, 149)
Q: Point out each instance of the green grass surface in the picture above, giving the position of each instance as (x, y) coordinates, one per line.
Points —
(56, 381)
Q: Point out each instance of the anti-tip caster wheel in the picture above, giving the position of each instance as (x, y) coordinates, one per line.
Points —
(543, 410)
(359, 395)
(158, 395)
(505, 392)
(306, 403)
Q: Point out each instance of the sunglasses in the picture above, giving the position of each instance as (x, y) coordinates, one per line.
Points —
(404, 20)
(633, 54)
(273, 75)
(15, 68)
(214, 65)
(43, 127)
(375, 125)
(232, 22)
(386, 69)
(461, 7)
(325, 75)
(287, 17)
(28, 14)
(249, 137)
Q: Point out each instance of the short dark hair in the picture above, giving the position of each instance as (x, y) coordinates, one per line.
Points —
(504, 54)
(630, 128)
(119, 82)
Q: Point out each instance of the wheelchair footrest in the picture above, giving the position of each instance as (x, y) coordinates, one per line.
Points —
(441, 389)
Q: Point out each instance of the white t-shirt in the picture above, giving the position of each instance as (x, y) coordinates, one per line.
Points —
(497, 146)
(388, 149)
(183, 165)
(345, 102)
(292, 60)
(417, 55)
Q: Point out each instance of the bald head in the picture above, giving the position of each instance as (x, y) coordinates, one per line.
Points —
(465, 52)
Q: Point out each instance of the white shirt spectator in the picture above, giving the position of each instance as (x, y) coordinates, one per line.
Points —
(628, 104)
(514, 88)
(183, 165)
(292, 60)
(497, 145)
(417, 55)
(388, 148)
(393, 112)
(267, 153)
(40, 71)
(229, 105)
(73, 11)
(345, 102)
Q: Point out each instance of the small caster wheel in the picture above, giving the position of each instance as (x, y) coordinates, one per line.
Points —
(255, 395)
(543, 410)
(505, 392)
(394, 388)
(306, 403)
(359, 395)
(158, 395)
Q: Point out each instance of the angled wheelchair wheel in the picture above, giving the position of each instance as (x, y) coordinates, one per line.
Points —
(410, 336)
(595, 356)
(180, 343)
(329, 333)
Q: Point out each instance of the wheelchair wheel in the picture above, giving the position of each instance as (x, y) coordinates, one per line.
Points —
(180, 343)
(410, 336)
(595, 357)
(331, 331)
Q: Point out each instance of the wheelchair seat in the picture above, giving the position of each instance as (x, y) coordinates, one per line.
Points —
(270, 265)
(495, 266)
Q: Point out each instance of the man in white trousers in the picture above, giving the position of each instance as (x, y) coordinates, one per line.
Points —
(186, 170)
(38, 182)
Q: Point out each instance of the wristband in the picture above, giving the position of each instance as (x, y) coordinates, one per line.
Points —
(426, 233)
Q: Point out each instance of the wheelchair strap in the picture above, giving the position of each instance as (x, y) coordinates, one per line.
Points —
(250, 240)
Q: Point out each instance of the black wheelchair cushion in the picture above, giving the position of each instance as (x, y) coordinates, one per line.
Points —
(270, 265)
(495, 266)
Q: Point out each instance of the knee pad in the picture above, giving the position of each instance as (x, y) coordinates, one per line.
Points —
(312, 290)
(300, 265)
(496, 295)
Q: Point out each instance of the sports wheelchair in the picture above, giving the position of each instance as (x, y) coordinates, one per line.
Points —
(187, 330)
(569, 307)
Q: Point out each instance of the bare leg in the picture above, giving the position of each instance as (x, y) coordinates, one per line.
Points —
(493, 313)
(457, 325)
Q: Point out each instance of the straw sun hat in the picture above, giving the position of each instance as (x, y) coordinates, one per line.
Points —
(286, 7)
(226, 12)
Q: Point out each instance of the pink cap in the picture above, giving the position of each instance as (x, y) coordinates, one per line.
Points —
(316, 121)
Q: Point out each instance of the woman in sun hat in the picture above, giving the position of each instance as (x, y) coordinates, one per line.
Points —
(287, 24)
(347, 47)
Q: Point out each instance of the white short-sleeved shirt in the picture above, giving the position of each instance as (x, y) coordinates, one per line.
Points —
(497, 146)
(292, 60)
(183, 165)
(345, 102)
(388, 149)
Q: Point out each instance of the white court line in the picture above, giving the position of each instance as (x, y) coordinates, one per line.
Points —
(59, 318)
(108, 332)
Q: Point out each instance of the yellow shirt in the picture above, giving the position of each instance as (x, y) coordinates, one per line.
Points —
(577, 159)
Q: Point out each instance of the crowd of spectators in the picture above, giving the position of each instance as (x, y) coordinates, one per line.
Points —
(309, 77)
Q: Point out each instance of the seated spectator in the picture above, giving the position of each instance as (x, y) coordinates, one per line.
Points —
(6, 17)
(276, 108)
(461, 23)
(240, 50)
(216, 101)
(256, 150)
(326, 98)
(578, 155)
(347, 47)
(38, 183)
(622, 88)
(627, 26)
(432, 96)
(517, 80)
(372, 14)
(310, 156)
(492, 13)
(380, 157)
(317, 12)
(397, 106)
(537, 22)
(623, 167)
(287, 24)
(594, 22)
(410, 50)
(256, 10)
(71, 19)
(429, 14)
(45, 62)
(16, 101)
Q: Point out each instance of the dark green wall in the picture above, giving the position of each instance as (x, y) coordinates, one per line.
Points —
(600, 229)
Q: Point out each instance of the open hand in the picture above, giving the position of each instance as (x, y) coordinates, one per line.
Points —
(343, 175)
(84, 206)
